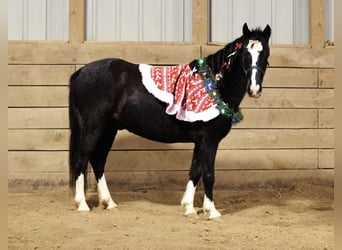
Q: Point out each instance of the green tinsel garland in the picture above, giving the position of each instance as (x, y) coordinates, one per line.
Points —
(210, 84)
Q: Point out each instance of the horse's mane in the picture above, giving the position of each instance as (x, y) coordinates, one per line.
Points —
(215, 60)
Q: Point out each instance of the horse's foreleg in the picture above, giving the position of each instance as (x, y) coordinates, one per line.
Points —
(189, 194)
(208, 176)
(188, 199)
(209, 207)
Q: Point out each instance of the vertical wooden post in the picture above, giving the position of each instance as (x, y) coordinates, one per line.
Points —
(317, 23)
(200, 21)
(76, 21)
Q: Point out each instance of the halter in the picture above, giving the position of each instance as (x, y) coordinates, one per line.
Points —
(251, 68)
(238, 46)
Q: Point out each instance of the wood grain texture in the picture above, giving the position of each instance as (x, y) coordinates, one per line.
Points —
(292, 57)
(76, 21)
(317, 23)
(326, 158)
(30, 118)
(326, 78)
(58, 139)
(60, 74)
(326, 118)
(39, 74)
(57, 96)
(174, 180)
(287, 134)
(64, 53)
(153, 53)
(170, 160)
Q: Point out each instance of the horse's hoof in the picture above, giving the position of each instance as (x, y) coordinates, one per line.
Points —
(83, 208)
(111, 206)
(214, 215)
(108, 205)
(191, 215)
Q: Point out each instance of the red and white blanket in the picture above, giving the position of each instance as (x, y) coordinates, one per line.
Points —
(182, 91)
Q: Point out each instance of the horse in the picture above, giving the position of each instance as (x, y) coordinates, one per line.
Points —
(112, 94)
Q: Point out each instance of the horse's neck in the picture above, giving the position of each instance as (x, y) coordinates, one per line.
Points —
(233, 88)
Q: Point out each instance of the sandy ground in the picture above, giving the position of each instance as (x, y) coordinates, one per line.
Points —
(298, 217)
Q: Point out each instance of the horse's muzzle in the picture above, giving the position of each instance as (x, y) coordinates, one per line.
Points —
(254, 94)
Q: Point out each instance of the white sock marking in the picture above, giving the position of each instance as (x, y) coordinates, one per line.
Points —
(254, 48)
(105, 198)
(79, 194)
(209, 206)
(188, 199)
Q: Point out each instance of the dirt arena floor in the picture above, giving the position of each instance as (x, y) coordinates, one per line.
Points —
(298, 217)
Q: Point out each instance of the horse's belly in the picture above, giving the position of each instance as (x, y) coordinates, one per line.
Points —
(153, 123)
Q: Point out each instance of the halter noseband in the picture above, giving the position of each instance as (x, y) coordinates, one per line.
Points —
(253, 67)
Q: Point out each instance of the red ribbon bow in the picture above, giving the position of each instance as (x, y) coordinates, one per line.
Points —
(238, 45)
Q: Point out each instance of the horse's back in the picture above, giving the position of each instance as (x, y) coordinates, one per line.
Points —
(103, 69)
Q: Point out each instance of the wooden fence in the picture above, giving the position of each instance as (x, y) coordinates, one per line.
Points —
(287, 134)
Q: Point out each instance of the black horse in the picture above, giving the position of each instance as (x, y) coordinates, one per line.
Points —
(109, 95)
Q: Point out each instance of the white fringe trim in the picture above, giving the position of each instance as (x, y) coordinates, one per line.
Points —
(150, 85)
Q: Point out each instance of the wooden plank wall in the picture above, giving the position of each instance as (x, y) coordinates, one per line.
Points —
(287, 134)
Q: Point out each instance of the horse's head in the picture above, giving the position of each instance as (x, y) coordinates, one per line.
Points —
(254, 57)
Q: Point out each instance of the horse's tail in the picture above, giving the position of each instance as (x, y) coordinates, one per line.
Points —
(75, 133)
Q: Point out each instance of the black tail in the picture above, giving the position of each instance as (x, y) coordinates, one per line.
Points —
(75, 134)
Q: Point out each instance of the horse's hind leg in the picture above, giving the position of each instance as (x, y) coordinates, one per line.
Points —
(88, 142)
(98, 161)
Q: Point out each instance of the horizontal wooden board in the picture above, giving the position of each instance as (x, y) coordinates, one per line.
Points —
(326, 78)
(60, 74)
(20, 118)
(58, 139)
(57, 96)
(39, 74)
(326, 158)
(67, 53)
(174, 180)
(152, 52)
(38, 118)
(293, 57)
(37, 96)
(327, 118)
(166, 160)
(292, 98)
(290, 78)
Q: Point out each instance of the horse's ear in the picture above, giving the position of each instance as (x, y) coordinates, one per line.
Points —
(245, 30)
(267, 31)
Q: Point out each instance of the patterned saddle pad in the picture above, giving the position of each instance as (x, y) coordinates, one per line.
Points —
(182, 91)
